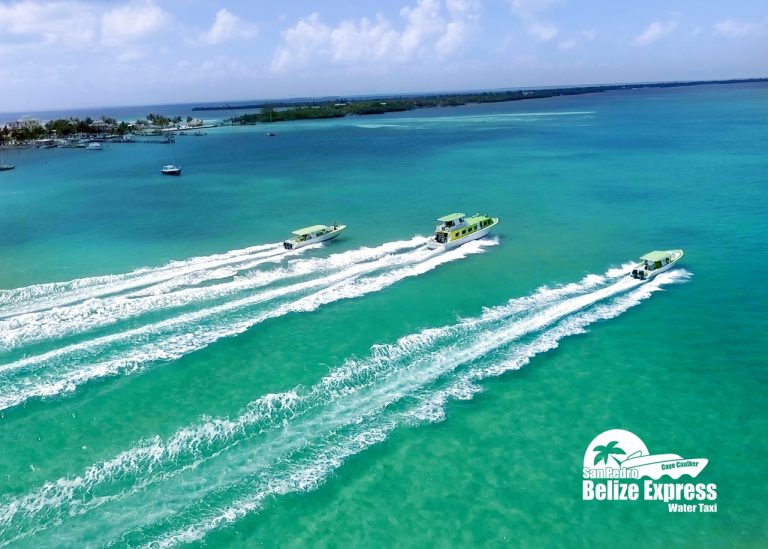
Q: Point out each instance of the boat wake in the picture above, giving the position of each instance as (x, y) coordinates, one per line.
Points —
(56, 337)
(211, 473)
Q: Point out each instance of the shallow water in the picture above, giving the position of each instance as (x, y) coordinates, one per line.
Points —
(191, 383)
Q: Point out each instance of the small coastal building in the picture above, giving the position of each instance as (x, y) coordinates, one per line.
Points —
(102, 126)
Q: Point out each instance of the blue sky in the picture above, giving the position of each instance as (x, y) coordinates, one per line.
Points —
(71, 53)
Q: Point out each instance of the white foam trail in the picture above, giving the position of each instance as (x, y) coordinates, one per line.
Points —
(97, 344)
(334, 261)
(94, 313)
(192, 336)
(432, 405)
(275, 408)
(308, 474)
(42, 296)
(404, 381)
(625, 269)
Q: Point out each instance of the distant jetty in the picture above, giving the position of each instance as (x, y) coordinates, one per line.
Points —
(278, 111)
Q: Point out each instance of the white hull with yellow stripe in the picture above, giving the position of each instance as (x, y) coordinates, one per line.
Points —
(457, 229)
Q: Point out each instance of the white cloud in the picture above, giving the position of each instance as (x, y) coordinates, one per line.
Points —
(542, 31)
(423, 20)
(127, 23)
(64, 24)
(350, 41)
(130, 55)
(228, 26)
(430, 27)
(566, 45)
(653, 32)
(529, 12)
(529, 8)
(308, 38)
(452, 38)
(734, 29)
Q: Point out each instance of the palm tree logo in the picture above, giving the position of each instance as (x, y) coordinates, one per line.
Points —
(607, 451)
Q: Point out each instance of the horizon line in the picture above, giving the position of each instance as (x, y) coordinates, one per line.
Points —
(385, 95)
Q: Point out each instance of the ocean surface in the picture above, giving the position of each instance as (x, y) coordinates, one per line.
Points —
(169, 376)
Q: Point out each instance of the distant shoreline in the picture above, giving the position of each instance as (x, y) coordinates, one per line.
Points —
(278, 111)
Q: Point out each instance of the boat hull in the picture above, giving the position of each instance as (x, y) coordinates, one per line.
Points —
(171, 172)
(674, 468)
(293, 245)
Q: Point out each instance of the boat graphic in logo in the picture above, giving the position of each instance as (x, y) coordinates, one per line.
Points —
(628, 457)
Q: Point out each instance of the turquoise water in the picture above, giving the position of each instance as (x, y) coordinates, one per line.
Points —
(194, 384)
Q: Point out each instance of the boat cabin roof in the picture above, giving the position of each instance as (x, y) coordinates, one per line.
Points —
(451, 217)
(655, 256)
(308, 230)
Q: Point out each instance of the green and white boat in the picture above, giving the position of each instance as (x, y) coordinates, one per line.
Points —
(456, 229)
(313, 235)
(655, 262)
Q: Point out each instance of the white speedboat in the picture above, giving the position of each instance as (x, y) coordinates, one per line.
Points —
(170, 169)
(656, 466)
(312, 235)
(654, 263)
(94, 146)
(455, 229)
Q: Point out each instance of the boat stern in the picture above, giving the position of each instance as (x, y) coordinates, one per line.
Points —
(433, 244)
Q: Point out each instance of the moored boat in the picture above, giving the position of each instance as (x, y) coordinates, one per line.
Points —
(170, 169)
(655, 262)
(94, 146)
(312, 235)
(455, 229)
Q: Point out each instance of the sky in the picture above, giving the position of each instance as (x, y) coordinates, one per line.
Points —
(81, 53)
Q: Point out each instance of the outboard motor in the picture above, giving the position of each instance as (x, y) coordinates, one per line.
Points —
(287, 245)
